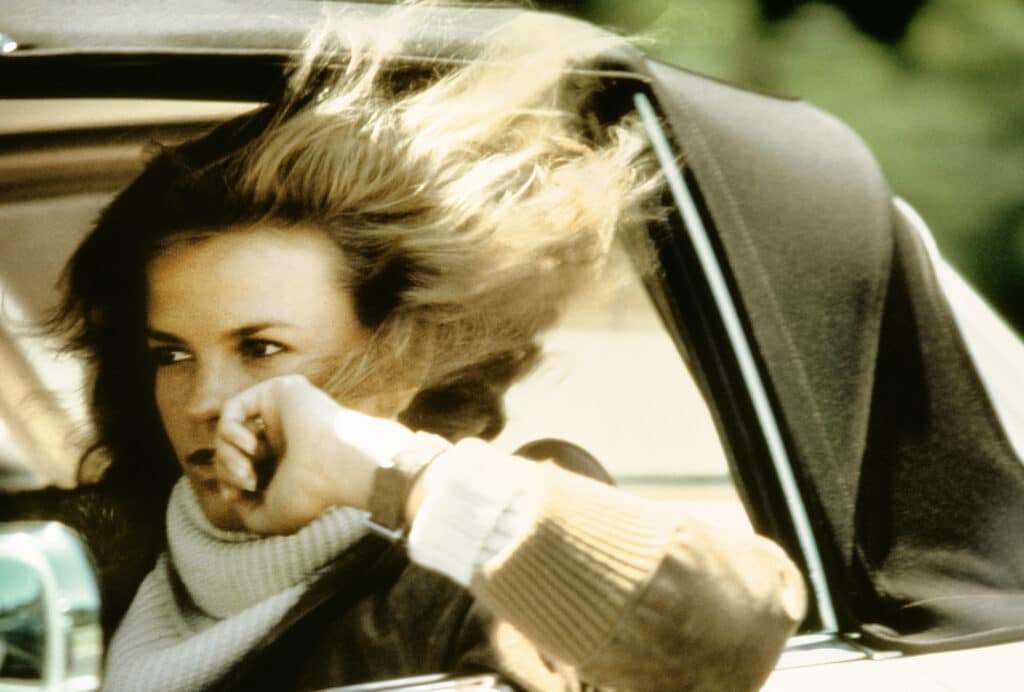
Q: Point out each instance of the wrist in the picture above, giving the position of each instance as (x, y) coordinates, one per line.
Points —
(398, 488)
(365, 444)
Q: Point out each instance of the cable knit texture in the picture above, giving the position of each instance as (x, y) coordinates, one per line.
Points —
(215, 593)
(569, 580)
(586, 582)
(625, 589)
(609, 586)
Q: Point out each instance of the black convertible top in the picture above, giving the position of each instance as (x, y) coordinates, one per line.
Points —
(914, 496)
(910, 480)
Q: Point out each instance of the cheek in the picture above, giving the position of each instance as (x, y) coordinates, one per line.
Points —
(168, 394)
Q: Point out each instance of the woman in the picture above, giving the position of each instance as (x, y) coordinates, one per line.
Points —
(302, 326)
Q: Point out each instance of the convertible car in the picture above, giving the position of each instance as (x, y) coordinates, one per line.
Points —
(802, 363)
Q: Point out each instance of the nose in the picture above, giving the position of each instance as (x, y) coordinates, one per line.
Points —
(212, 385)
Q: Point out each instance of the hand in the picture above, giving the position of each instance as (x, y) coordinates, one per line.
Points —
(324, 454)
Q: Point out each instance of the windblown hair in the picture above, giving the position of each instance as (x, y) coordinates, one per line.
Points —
(469, 201)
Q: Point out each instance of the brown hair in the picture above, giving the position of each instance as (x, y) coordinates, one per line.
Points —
(469, 203)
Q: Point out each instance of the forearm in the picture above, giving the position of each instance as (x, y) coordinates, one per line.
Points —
(626, 590)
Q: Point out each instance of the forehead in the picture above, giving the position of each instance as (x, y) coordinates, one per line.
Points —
(232, 278)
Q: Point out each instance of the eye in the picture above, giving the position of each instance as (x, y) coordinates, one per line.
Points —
(163, 356)
(260, 348)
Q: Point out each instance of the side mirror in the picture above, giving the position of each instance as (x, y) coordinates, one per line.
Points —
(50, 636)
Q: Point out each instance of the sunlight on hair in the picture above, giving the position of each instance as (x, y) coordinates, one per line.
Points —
(482, 175)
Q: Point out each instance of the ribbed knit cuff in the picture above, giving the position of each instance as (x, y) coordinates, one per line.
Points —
(478, 502)
(587, 556)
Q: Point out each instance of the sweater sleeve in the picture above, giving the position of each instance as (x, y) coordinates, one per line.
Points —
(477, 504)
(629, 592)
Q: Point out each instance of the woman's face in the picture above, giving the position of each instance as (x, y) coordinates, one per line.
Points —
(232, 309)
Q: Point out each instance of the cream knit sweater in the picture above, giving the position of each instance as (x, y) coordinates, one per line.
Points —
(212, 596)
(617, 590)
(613, 589)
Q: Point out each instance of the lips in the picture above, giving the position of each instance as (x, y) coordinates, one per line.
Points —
(200, 457)
(200, 470)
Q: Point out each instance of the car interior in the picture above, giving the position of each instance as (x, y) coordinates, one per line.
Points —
(783, 365)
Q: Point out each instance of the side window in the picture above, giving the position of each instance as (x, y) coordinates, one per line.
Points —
(60, 162)
(613, 382)
(42, 408)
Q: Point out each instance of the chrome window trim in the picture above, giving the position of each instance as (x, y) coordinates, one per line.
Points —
(818, 649)
(744, 356)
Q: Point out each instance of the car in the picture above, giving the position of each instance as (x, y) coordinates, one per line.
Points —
(798, 360)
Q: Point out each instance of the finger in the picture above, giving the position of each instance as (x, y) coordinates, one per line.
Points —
(260, 404)
(233, 467)
(239, 435)
(247, 404)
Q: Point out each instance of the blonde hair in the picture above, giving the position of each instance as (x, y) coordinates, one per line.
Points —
(487, 184)
(469, 193)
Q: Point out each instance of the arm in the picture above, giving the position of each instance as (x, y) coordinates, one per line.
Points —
(629, 592)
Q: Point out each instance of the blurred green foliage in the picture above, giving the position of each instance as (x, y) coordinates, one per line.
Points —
(943, 109)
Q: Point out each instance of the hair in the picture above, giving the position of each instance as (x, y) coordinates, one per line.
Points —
(469, 200)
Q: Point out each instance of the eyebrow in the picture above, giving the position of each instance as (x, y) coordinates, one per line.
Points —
(239, 333)
(158, 335)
